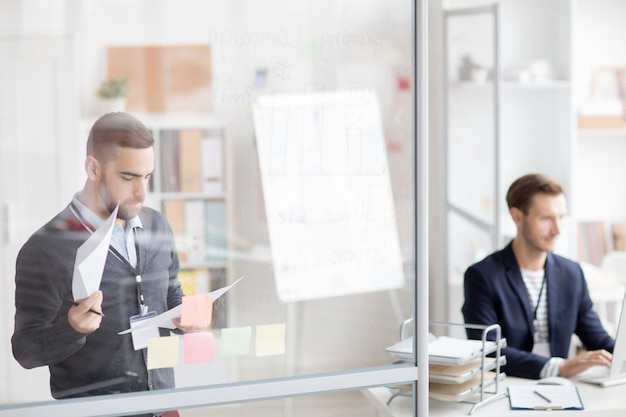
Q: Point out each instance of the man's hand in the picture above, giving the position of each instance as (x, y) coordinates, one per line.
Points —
(81, 319)
(574, 366)
(187, 329)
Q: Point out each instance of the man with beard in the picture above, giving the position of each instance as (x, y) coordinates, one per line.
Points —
(79, 341)
(538, 298)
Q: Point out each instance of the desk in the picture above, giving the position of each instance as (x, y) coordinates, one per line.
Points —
(598, 402)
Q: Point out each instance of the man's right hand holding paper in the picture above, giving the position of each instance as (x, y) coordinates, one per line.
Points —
(81, 316)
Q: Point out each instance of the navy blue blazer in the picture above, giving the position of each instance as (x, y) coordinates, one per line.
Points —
(495, 293)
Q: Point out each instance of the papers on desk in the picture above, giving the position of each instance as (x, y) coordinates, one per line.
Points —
(457, 369)
(445, 350)
(453, 351)
(544, 397)
(90, 259)
(461, 392)
(453, 374)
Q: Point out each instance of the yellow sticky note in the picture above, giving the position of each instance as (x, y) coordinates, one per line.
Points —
(270, 340)
(163, 352)
(199, 347)
(196, 310)
(235, 341)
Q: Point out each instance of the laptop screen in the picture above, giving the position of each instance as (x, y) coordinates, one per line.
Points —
(618, 365)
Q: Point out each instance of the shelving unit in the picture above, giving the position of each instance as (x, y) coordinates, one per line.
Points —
(505, 127)
(190, 187)
(601, 133)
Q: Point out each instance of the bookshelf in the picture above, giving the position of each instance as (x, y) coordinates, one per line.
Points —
(190, 188)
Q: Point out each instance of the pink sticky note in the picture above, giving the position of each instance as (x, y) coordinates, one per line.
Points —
(196, 310)
(199, 347)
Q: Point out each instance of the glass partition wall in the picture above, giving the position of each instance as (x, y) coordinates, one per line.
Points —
(290, 162)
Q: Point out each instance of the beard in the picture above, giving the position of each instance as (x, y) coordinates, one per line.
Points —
(127, 208)
(539, 243)
(124, 212)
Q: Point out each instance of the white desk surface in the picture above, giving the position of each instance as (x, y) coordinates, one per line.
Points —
(598, 402)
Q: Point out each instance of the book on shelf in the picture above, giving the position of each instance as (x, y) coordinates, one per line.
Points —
(170, 161)
(212, 168)
(192, 162)
(190, 143)
(199, 228)
(592, 242)
(195, 281)
(195, 231)
(215, 216)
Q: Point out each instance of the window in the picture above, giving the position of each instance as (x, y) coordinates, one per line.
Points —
(284, 156)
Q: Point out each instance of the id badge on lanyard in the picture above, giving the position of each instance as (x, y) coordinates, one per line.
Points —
(141, 336)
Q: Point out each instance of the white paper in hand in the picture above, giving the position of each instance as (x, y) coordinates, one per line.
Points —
(90, 259)
(164, 320)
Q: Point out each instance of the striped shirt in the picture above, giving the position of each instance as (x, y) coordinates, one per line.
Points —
(537, 288)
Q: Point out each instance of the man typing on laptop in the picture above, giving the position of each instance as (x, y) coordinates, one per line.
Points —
(539, 299)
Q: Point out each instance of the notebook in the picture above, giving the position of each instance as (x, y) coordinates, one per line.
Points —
(616, 374)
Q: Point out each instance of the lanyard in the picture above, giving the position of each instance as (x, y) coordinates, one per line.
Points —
(543, 284)
(135, 270)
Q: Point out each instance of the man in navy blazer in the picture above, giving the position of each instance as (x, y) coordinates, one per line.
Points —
(538, 298)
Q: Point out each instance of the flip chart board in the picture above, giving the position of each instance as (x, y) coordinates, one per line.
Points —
(327, 194)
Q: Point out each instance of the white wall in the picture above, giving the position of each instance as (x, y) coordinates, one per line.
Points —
(600, 157)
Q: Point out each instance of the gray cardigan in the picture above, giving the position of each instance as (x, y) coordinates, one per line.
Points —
(102, 362)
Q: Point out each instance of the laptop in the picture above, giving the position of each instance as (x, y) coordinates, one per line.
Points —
(616, 374)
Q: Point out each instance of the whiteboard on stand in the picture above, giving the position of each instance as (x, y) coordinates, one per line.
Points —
(327, 193)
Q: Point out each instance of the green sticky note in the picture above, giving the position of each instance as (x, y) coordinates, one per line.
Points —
(163, 352)
(235, 341)
(270, 340)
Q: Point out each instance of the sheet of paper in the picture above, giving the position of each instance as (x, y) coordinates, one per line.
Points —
(90, 259)
(544, 397)
(164, 320)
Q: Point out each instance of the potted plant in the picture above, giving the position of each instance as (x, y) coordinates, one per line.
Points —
(113, 93)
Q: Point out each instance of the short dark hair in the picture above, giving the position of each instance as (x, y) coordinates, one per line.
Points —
(523, 189)
(117, 129)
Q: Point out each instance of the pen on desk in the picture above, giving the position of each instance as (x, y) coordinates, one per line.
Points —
(90, 310)
(542, 396)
